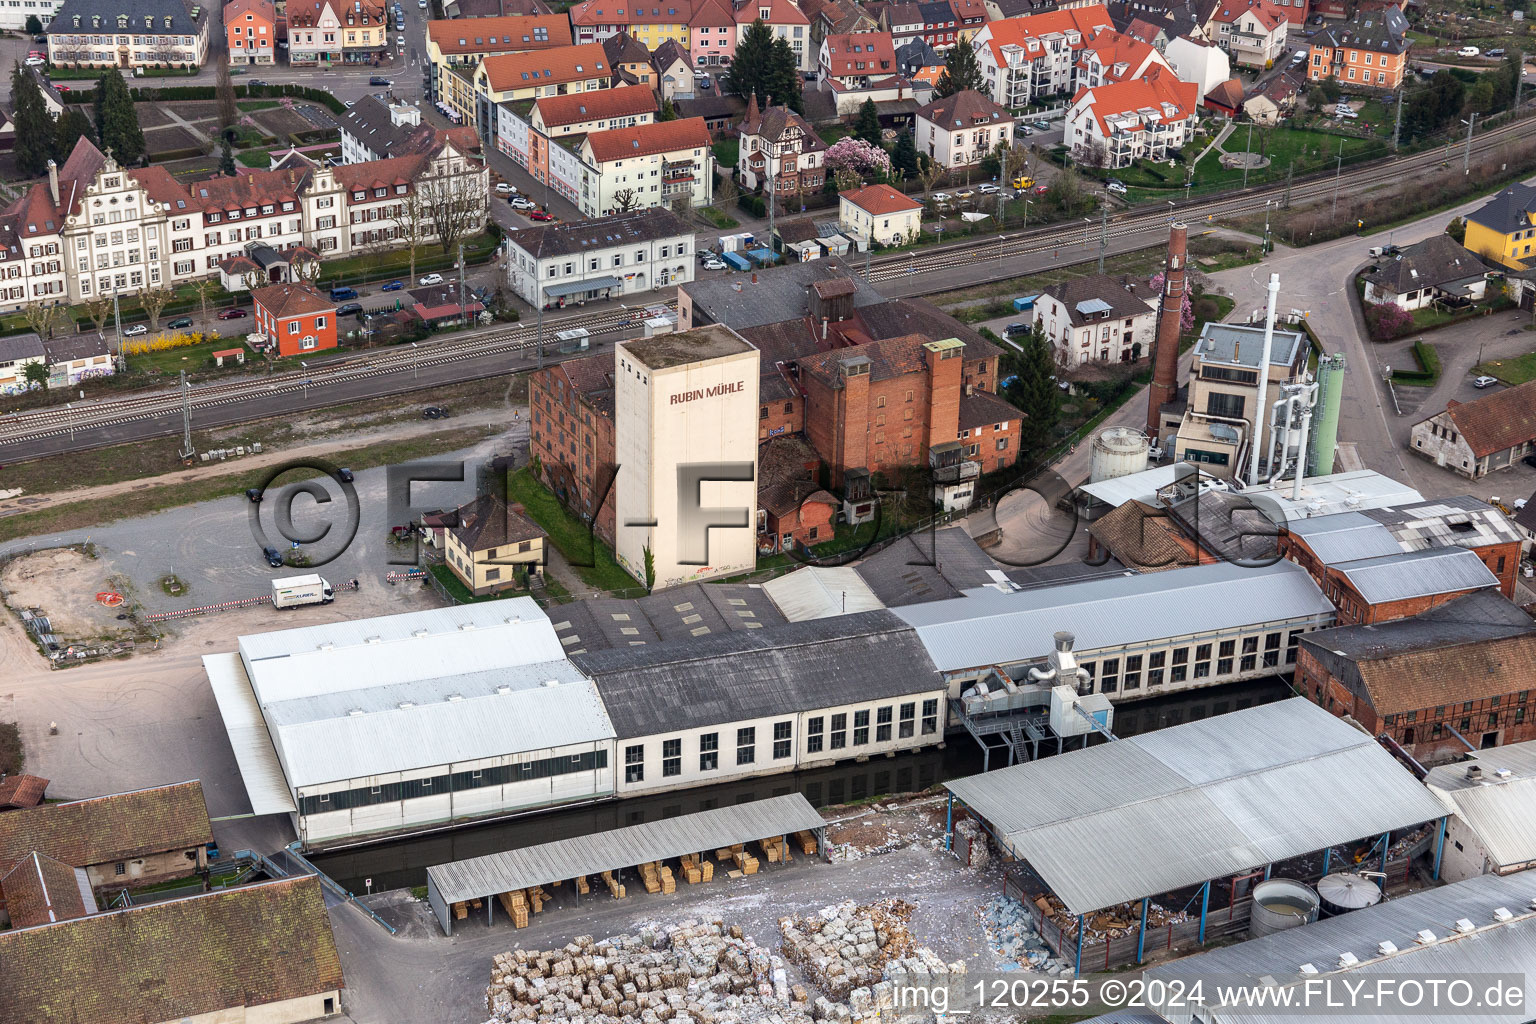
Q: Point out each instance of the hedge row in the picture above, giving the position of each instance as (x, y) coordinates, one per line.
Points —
(753, 205)
(1428, 372)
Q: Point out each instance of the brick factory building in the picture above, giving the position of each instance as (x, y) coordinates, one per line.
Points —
(571, 435)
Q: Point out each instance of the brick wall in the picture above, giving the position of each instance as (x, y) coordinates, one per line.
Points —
(574, 445)
(780, 416)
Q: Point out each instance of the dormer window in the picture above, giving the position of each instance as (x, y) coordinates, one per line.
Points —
(764, 12)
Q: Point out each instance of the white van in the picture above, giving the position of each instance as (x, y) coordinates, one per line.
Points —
(1468, 51)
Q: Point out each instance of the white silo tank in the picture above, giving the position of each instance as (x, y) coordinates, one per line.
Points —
(1118, 451)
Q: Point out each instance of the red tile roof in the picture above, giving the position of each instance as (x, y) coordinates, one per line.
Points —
(780, 12)
(264, 9)
(964, 109)
(504, 35)
(22, 791)
(293, 299)
(1269, 13)
(712, 14)
(1497, 421)
(580, 107)
(108, 828)
(509, 71)
(880, 199)
(632, 12)
(649, 139)
(1026, 31)
(397, 170)
(1113, 48)
(1151, 91)
(41, 890)
(863, 53)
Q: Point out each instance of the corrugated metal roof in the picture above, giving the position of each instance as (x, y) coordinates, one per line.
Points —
(732, 677)
(1242, 345)
(624, 847)
(1460, 520)
(989, 627)
(1409, 574)
(1141, 486)
(1149, 814)
(814, 592)
(1345, 536)
(254, 753)
(1502, 811)
(1339, 492)
(1493, 948)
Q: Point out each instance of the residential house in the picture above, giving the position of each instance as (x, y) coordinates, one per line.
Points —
(778, 146)
(286, 969)
(841, 18)
(915, 56)
(879, 213)
(793, 510)
(1226, 98)
(1276, 99)
(629, 59)
(1438, 269)
(593, 21)
(1251, 31)
(506, 78)
(493, 546)
(962, 129)
(673, 75)
(378, 129)
(1001, 10)
(314, 32)
(17, 352)
(904, 21)
(1371, 50)
(462, 43)
(295, 318)
(970, 16)
(170, 231)
(1218, 423)
(1027, 59)
(1097, 318)
(155, 34)
(123, 840)
(722, 114)
(787, 22)
(712, 33)
(607, 258)
(251, 28)
(1467, 664)
(364, 32)
(1145, 118)
(570, 436)
(1503, 229)
(1111, 56)
(1478, 437)
(857, 61)
(524, 129)
(641, 166)
(1489, 793)
(1199, 61)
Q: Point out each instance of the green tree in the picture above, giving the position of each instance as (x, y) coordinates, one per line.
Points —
(117, 120)
(36, 375)
(765, 67)
(868, 126)
(226, 158)
(224, 92)
(961, 71)
(1035, 391)
(785, 77)
(34, 25)
(1317, 99)
(904, 158)
(71, 128)
(668, 111)
(1457, 229)
(34, 128)
(1480, 96)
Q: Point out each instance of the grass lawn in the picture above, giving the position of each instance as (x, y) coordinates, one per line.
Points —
(460, 593)
(569, 534)
(258, 158)
(380, 267)
(832, 133)
(193, 357)
(1310, 150)
(1511, 371)
(727, 152)
(718, 218)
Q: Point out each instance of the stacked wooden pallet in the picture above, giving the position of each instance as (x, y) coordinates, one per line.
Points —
(462, 908)
(515, 903)
(614, 886)
(807, 841)
(657, 877)
(696, 869)
(745, 862)
(581, 885)
(776, 850)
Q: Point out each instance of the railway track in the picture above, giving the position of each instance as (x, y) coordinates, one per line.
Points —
(1073, 241)
(512, 341)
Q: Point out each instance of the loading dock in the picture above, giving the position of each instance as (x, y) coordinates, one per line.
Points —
(516, 878)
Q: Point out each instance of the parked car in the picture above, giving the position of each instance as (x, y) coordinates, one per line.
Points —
(393, 286)
(1040, 190)
(1485, 382)
(540, 215)
(135, 330)
(523, 203)
(434, 412)
(1016, 329)
(942, 197)
(35, 62)
(343, 293)
(379, 80)
(273, 556)
(714, 264)
(1043, 126)
(964, 193)
(1116, 186)
(179, 323)
(349, 309)
(987, 189)
(505, 189)
(430, 279)
(237, 313)
(1468, 51)
(255, 83)
(1024, 130)
(1023, 181)
(1497, 51)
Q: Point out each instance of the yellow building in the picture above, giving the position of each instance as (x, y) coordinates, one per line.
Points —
(594, 21)
(1504, 230)
(881, 213)
(493, 545)
(464, 42)
(364, 32)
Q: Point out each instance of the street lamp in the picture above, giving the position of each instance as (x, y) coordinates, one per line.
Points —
(415, 357)
(1026, 213)
(1265, 249)
(1171, 207)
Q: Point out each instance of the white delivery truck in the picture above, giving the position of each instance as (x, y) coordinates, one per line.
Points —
(293, 591)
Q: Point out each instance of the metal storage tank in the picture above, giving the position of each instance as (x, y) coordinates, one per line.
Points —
(1325, 419)
(1281, 903)
(1345, 891)
(1118, 451)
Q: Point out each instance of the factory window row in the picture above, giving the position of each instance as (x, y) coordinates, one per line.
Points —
(457, 782)
(1158, 667)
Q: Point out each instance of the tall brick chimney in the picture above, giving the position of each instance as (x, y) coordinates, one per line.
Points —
(1165, 351)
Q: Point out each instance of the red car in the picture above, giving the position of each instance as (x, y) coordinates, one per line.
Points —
(540, 215)
(233, 314)
(1041, 190)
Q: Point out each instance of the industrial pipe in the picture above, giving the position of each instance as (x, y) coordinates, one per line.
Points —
(1269, 340)
(1274, 433)
(1301, 449)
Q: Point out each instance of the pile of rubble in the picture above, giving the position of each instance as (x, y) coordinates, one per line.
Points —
(1011, 933)
(1111, 922)
(970, 830)
(691, 973)
(854, 952)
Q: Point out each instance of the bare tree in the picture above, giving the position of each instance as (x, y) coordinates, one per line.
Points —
(929, 171)
(252, 279)
(306, 270)
(98, 308)
(154, 300)
(224, 91)
(44, 319)
(625, 200)
(846, 178)
(455, 206)
(727, 192)
(204, 288)
(416, 226)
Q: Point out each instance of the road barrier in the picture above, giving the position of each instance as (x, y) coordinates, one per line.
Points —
(244, 602)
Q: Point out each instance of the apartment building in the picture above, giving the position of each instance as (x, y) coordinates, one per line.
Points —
(509, 77)
(314, 33)
(1025, 59)
(858, 61)
(250, 28)
(364, 31)
(526, 129)
(961, 128)
(1371, 49)
(634, 168)
(777, 145)
(1252, 31)
(1115, 57)
(787, 22)
(96, 227)
(1097, 318)
(607, 258)
(374, 129)
(593, 21)
(157, 34)
(465, 42)
(1143, 118)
